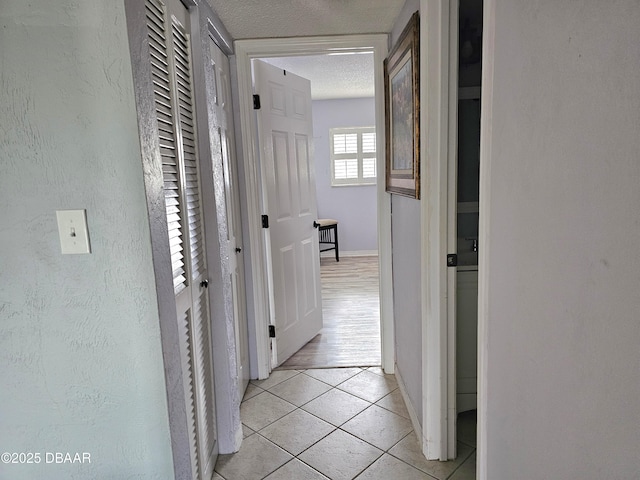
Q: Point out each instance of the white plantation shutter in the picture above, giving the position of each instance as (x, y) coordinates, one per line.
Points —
(369, 167)
(345, 143)
(369, 142)
(353, 156)
(177, 132)
(347, 168)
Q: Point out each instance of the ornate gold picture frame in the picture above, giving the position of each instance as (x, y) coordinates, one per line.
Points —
(402, 113)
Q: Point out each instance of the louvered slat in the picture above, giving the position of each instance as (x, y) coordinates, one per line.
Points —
(189, 368)
(156, 21)
(202, 351)
(189, 150)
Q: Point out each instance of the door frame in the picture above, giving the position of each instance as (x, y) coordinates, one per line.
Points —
(438, 120)
(258, 268)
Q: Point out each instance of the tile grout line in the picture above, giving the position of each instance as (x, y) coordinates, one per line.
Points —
(383, 452)
(466, 459)
(339, 427)
(334, 428)
(333, 387)
(375, 370)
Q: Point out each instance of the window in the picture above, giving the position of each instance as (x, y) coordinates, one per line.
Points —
(353, 156)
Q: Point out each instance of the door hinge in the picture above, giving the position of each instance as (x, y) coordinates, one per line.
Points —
(452, 260)
(265, 221)
(256, 102)
(272, 331)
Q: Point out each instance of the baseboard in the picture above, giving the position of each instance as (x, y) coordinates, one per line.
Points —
(352, 253)
(417, 428)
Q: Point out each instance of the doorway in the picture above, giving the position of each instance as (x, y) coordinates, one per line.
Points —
(350, 336)
(246, 51)
(468, 181)
(344, 116)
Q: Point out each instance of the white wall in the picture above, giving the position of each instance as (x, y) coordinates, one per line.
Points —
(80, 355)
(560, 241)
(353, 207)
(407, 264)
(407, 304)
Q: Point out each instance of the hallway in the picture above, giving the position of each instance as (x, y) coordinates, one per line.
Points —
(340, 423)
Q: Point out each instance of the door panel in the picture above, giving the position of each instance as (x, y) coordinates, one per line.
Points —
(300, 110)
(310, 282)
(277, 99)
(288, 311)
(223, 123)
(281, 169)
(170, 57)
(285, 130)
(304, 175)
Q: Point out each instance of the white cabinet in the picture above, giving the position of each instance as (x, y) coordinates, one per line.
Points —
(467, 338)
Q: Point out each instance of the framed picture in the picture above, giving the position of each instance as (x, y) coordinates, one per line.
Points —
(402, 113)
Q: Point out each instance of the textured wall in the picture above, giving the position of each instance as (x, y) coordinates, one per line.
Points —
(353, 207)
(559, 206)
(80, 357)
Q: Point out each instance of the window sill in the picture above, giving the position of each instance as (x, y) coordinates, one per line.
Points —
(373, 184)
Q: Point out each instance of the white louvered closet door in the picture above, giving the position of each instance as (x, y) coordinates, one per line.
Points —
(170, 56)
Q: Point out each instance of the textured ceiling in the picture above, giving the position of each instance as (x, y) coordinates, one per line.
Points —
(332, 76)
(338, 76)
(296, 18)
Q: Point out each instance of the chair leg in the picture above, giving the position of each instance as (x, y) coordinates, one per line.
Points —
(335, 231)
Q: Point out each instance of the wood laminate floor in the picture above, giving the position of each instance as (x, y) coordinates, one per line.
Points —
(351, 313)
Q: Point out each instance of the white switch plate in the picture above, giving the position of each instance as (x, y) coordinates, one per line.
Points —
(72, 227)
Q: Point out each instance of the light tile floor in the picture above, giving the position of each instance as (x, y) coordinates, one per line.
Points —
(337, 423)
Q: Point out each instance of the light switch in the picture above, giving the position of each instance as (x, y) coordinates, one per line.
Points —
(72, 227)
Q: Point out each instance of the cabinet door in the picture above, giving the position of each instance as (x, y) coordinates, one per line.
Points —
(467, 340)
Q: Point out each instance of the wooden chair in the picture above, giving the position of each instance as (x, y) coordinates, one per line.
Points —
(328, 232)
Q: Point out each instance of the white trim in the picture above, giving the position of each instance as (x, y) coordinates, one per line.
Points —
(246, 50)
(351, 253)
(256, 246)
(434, 86)
(486, 116)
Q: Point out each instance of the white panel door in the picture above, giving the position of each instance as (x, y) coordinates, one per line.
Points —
(172, 72)
(220, 102)
(285, 130)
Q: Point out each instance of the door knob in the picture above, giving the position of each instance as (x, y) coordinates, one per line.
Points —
(238, 249)
(204, 283)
